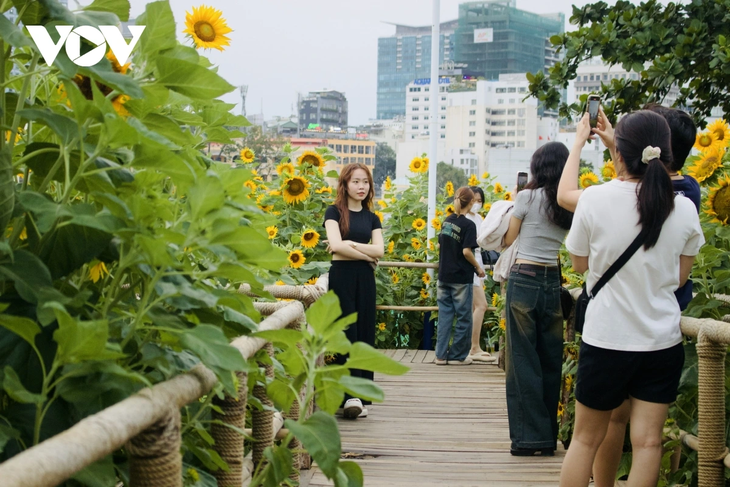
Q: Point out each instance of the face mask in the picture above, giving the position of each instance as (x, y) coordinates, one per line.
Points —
(476, 207)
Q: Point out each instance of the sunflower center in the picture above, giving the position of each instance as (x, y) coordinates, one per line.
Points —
(295, 258)
(308, 236)
(721, 204)
(709, 163)
(311, 160)
(204, 31)
(248, 154)
(296, 187)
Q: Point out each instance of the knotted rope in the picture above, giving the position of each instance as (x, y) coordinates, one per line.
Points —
(154, 454)
(229, 442)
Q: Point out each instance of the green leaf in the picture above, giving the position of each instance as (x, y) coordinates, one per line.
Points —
(324, 312)
(280, 394)
(160, 32)
(6, 434)
(362, 388)
(365, 357)
(28, 273)
(190, 79)
(23, 327)
(320, 437)
(280, 464)
(13, 35)
(80, 340)
(293, 361)
(120, 8)
(353, 473)
(66, 128)
(211, 345)
(16, 390)
(155, 156)
(7, 187)
(205, 196)
(290, 338)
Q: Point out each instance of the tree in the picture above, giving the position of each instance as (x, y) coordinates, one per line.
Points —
(447, 172)
(686, 45)
(585, 166)
(384, 163)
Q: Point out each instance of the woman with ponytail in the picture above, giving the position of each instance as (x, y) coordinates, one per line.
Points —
(457, 266)
(356, 242)
(632, 344)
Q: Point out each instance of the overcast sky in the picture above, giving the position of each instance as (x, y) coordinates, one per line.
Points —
(280, 47)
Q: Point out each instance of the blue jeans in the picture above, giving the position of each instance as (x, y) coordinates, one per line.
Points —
(454, 300)
(535, 356)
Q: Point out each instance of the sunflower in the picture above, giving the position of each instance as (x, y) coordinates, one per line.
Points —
(275, 192)
(495, 300)
(407, 257)
(324, 189)
(312, 281)
(118, 104)
(587, 179)
(485, 175)
(388, 184)
(272, 231)
(430, 245)
(285, 167)
(426, 278)
(98, 271)
(418, 165)
(473, 180)
(207, 28)
(718, 202)
(247, 156)
(608, 171)
(449, 188)
(706, 141)
(568, 382)
(416, 244)
(382, 203)
(382, 326)
(721, 129)
(310, 238)
(312, 158)
(419, 224)
(295, 190)
(436, 224)
(251, 185)
(487, 207)
(449, 210)
(706, 165)
(560, 410)
(439, 213)
(424, 294)
(507, 196)
(296, 259)
(394, 277)
(380, 215)
(498, 188)
(116, 66)
(391, 245)
(503, 324)
(280, 283)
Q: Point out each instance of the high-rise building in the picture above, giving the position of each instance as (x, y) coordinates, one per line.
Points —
(323, 110)
(406, 56)
(494, 37)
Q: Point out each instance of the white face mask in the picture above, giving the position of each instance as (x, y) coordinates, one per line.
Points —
(476, 207)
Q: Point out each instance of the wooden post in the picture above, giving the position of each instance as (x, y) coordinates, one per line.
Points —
(228, 442)
(262, 420)
(154, 454)
(711, 412)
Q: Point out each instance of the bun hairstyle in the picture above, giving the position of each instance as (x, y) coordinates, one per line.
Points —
(636, 133)
(463, 198)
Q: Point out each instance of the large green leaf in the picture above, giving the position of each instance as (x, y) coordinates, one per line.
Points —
(29, 274)
(280, 394)
(352, 473)
(23, 327)
(120, 8)
(16, 390)
(280, 464)
(80, 340)
(365, 357)
(152, 155)
(324, 312)
(362, 388)
(68, 248)
(104, 73)
(169, 129)
(210, 344)
(190, 79)
(66, 128)
(7, 187)
(204, 196)
(321, 439)
(13, 35)
(160, 32)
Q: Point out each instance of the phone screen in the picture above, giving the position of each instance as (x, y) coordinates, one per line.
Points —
(593, 105)
(521, 180)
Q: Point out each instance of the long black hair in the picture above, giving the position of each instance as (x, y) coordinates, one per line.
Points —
(546, 168)
(634, 133)
(479, 191)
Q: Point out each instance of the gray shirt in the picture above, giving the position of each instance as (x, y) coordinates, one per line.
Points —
(540, 239)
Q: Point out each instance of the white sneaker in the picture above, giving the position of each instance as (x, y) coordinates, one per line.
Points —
(364, 413)
(352, 409)
(466, 361)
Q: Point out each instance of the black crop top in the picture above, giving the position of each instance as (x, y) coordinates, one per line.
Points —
(362, 223)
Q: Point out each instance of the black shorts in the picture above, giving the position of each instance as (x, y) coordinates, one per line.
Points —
(606, 378)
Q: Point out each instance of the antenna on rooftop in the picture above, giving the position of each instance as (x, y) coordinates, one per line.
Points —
(243, 89)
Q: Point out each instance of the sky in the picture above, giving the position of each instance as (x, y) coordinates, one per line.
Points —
(281, 47)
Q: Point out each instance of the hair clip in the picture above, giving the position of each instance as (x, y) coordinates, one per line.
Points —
(650, 153)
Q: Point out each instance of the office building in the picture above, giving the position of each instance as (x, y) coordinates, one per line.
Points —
(406, 56)
(325, 110)
(347, 147)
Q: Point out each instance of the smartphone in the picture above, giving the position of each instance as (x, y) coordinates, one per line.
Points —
(521, 180)
(594, 101)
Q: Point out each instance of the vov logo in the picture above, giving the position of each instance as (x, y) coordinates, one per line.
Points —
(105, 34)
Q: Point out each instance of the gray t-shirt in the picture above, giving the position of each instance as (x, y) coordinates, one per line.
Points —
(540, 239)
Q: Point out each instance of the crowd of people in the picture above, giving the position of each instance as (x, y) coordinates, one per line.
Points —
(636, 236)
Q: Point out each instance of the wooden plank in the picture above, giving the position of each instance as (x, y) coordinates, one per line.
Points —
(399, 354)
(430, 357)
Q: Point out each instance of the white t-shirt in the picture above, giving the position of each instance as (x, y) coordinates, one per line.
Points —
(477, 219)
(636, 310)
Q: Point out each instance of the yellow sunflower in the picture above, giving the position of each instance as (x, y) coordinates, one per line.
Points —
(436, 224)
(382, 326)
(449, 210)
(718, 201)
(207, 27)
(706, 165)
(382, 203)
(507, 196)
(285, 167)
(487, 207)
(296, 259)
(280, 283)
(485, 175)
(419, 224)
(560, 410)
(275, 192)
(391, 245)
(312, 158)
(310, 238)
(251, 185)
(568, 382)
(426, 278)
(503, 324)
(424, 294)
(495, 300)
(407, 257)
(439, 213)
(118, 104)
(295, 190)
(312, 281)
(498, 188)
(608, 171)
(98, 271)
(430, 245)
(449, 188)
(415, 243)
(247, 155)
(706, 141)
(272, 232)
(587, 179)
(394, 277)
(473, 180)
(721, 129)
(418, 165)
(388, 184)
(324, 189)
(380, 215)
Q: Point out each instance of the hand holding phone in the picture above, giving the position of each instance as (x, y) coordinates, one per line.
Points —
(521, 180)
(594, 102)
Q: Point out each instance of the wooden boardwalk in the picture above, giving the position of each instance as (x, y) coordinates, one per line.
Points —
(442, 426)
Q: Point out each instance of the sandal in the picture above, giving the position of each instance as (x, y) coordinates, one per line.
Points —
(483, 357)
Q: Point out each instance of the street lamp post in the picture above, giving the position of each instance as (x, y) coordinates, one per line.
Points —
(434, 135)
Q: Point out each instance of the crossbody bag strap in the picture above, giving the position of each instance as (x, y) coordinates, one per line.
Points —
(616, 266)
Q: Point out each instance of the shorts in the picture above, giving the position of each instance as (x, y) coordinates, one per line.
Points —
(606, 378)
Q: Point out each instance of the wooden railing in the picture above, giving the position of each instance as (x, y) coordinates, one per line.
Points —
(147, 425)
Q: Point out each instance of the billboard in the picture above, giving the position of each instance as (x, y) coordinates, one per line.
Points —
(483, 35)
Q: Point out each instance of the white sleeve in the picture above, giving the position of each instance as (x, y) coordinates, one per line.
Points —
(696, 238)
(578, 241)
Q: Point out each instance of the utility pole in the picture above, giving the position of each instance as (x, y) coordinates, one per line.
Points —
(434, 133)
(243, 90)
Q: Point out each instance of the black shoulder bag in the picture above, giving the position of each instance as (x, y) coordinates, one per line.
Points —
(581, 304)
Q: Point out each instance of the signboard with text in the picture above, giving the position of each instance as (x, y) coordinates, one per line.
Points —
(483, 35)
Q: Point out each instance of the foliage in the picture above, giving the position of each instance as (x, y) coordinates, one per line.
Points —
(447, 172)
(677, 44)
(384, 163)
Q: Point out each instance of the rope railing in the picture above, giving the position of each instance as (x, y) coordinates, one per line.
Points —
(147, 425)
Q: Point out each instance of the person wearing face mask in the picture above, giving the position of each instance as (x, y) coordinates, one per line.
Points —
(479, 300)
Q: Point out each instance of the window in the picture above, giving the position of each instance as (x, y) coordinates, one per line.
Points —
(472, 134)
(472, 144)
(415, 99)
(346, 160)
(510, 123)
(443, 98)
(501, 90)
(498, 134)
(521, 143)
(353, 149)
(498, 112)
(443, 117)
(512, 90)
(443, 136)
(510, 133)
(511, 111)
(523, 89)
(443, 127)
(338, 148)
(521, 133)
(346, 149)
(414, 117)
(312, 116)
(511, 101)
(521, 122)
(472, 112)
(360, 160)
(414, 127)
(367, 149)
(473, 102)
(426, 99)
(443, 107)
(500, 101)
(472, 123)
(414, 109)
(521, 112)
